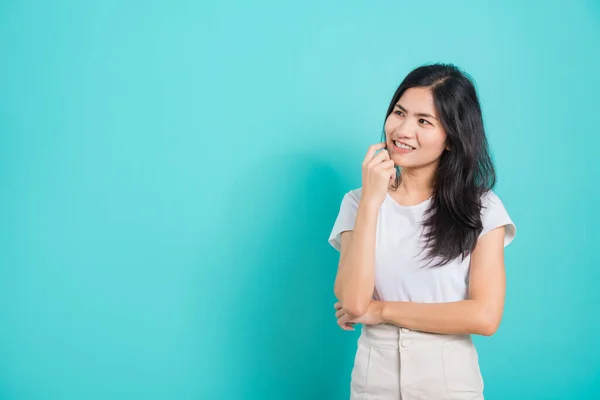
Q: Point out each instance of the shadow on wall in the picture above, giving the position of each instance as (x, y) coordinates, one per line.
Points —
(287, 342)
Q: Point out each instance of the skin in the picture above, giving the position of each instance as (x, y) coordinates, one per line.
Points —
(482, 312)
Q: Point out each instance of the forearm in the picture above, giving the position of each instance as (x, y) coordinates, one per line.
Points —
(356, 279)
(459, 317)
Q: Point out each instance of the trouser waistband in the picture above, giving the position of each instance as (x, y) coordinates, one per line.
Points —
(389, 336)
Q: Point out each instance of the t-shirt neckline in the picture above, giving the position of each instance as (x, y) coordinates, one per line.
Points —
(396, 204)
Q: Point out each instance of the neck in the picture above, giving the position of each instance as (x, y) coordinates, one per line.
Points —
(416, 183)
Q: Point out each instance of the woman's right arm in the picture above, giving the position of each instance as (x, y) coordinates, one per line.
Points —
(355, 280)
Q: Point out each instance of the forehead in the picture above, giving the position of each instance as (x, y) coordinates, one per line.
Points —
(417, 100)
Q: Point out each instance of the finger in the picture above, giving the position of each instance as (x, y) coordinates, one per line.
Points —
(337, 305)
(345, 327)
(340, 313)
(343, 319)
(372, 149)
(379, 158)
(390, 172)
(344, 323)
(385, 165)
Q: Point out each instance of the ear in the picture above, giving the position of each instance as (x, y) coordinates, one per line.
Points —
(448, 147)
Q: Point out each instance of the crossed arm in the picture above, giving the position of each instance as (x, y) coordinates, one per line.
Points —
(480, 314)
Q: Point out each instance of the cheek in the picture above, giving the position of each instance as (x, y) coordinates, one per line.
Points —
(431, 148)
(392, 122)
(433, 142)
(388, 126)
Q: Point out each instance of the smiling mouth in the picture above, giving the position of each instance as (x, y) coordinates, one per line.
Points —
(403, 146)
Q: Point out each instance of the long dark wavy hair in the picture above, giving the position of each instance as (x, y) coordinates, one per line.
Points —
(452, 220)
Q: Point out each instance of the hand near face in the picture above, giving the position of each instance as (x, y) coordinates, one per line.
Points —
(378, 172)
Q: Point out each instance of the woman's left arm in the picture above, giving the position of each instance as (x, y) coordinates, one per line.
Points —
(480, 314)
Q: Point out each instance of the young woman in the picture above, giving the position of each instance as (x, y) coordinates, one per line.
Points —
(422, 245)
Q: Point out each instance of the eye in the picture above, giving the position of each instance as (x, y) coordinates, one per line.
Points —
(398, 111)
(424, 121)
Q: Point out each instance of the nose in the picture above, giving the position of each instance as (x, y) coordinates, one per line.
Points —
(406, 129)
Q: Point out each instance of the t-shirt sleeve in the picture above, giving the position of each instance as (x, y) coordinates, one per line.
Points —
(345, 219)
(494, 215)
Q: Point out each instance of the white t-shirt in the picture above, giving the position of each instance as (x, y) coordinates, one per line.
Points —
(400, 271)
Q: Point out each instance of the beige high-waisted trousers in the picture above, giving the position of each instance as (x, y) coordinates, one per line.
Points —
(394, 363)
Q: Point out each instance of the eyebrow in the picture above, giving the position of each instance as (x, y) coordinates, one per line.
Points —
(418, 115)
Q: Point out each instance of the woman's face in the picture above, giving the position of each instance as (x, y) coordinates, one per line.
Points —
(414, 122)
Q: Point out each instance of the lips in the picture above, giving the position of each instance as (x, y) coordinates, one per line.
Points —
(404, 143)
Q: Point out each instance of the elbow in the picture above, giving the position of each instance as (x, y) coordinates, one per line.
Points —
(353, 307)
(355, 310)
(487, 329)
(487, 323)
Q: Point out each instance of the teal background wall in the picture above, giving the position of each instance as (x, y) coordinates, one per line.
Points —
(170, 172)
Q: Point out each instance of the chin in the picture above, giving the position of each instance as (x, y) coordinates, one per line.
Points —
(398, 158)
(402, 162)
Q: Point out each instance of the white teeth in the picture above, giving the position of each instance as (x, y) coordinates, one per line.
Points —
(403, 146)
